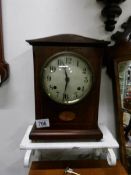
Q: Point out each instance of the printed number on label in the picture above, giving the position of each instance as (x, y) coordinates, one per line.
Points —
(42, 123)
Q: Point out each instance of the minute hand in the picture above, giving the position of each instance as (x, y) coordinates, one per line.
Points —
(67, 79)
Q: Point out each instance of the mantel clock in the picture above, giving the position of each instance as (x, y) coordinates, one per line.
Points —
(67, 71)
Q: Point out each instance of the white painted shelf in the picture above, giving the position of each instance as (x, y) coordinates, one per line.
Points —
(108, 142)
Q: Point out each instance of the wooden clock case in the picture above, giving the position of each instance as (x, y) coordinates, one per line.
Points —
(85, 124)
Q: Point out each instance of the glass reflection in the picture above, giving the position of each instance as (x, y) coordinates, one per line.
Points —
(124, 70)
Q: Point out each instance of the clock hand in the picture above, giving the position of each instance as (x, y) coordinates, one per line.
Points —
(66, 79)
(66, 84)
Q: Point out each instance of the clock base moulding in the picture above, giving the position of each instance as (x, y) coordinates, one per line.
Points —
(65, 134)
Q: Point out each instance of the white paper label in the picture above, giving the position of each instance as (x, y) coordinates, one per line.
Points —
(42, 123)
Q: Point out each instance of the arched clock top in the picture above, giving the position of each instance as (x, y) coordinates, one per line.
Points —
(68, 39)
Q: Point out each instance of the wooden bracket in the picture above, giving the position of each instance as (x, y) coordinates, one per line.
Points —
(110, 12)
(125, 35)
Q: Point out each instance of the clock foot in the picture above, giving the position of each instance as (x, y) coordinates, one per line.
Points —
(62, 134)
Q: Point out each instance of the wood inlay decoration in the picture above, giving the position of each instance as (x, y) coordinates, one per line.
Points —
(110, 12)
(4, 67)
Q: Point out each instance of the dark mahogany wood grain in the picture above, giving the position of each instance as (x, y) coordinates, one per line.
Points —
(85, 124)
(4, 67)
(120, 52)
(86, 167)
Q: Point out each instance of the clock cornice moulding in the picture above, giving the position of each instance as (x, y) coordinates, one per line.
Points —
(68, 40)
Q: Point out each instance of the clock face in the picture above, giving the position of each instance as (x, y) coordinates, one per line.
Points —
(67, 77)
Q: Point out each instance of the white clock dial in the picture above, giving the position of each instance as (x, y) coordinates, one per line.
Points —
(67, 77)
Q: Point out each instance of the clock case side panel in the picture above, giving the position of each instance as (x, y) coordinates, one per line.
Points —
(37, 88)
